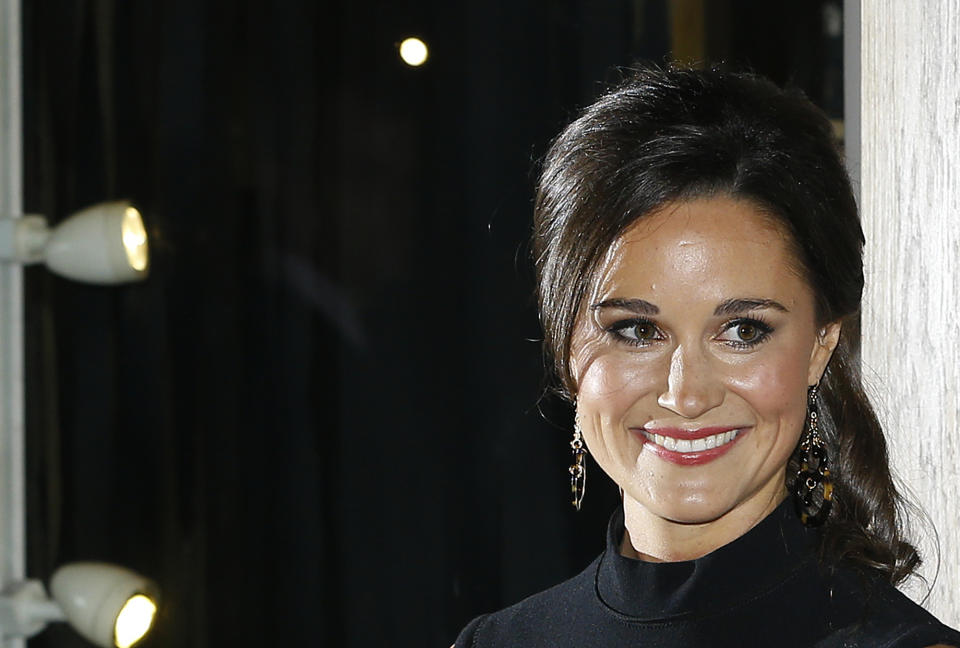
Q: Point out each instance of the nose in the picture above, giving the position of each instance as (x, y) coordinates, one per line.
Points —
(692, 387)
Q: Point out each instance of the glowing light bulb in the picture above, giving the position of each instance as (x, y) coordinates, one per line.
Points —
(414, 52)
(134, 620)
(134, 239)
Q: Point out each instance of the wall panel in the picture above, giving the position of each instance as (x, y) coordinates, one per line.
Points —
(910, 197)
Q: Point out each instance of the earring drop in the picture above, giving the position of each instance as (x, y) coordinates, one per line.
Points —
(578, 469)
(814, 473)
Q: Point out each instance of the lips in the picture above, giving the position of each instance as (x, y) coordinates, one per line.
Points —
(690, 447)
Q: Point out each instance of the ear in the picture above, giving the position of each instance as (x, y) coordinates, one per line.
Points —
(827, 339)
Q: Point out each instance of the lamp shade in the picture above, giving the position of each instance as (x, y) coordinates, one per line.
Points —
(105, 243)
(106, 604)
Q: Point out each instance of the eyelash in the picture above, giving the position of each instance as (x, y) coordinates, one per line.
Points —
(616, 330)
(764, 330)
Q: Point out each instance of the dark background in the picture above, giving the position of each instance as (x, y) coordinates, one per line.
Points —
(319, 421)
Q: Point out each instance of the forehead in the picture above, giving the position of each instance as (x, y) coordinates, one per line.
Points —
(717, 246)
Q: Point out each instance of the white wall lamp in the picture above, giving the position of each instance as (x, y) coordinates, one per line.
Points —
(108, 605)
(102, 244)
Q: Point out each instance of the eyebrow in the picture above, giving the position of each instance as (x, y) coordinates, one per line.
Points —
(639, 306)
(726, 308)
(735, 306)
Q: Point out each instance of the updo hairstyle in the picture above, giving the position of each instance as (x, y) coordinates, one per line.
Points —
(667, 135)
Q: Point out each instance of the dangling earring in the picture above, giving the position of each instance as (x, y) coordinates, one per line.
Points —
(813, 471)
(578, 470)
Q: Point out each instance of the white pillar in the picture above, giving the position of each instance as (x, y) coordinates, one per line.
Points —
(909, 173)
(12, 497)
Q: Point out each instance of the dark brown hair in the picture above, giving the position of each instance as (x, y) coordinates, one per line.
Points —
(673, 134)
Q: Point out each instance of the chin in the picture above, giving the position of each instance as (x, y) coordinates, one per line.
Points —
(691, 509)
(700, 513)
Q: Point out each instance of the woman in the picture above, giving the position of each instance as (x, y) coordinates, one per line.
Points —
(698, 251)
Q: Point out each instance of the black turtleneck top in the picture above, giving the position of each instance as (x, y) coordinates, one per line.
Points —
(766, 588)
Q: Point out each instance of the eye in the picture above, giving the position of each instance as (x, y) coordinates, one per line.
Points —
(636, 332)
(745, 332)
(643, 331)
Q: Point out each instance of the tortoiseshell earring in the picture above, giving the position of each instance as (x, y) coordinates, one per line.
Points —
(813, 488)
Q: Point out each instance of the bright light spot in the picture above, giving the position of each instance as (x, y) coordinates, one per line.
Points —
(414, 52)
(134, 621)
(134, 239)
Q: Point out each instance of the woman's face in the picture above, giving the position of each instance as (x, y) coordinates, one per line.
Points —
(692, 359)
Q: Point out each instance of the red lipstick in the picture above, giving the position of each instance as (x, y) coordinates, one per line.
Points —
(690, 447)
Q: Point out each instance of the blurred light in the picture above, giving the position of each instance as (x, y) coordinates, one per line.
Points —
(414, 52)
(104, 244)
(134, 620)
(134, 239)
(107, 604)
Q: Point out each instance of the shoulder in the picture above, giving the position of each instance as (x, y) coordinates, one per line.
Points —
(542, 619)
(882, 616)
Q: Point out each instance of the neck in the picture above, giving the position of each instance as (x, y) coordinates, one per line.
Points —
(653, 538)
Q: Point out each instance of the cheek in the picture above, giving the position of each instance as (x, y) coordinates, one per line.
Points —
(612, 382)
(775, 388)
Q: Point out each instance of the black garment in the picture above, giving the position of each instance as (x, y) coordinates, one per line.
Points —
(766, 588)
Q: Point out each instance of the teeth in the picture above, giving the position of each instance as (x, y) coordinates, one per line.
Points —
(693, 445)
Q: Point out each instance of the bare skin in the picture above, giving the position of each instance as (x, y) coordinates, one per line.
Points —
(700, 321)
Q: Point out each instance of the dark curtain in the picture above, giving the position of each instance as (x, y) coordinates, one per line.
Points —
(320, 420)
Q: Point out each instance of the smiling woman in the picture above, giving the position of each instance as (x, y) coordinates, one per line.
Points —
(698, 251)
(697, 350)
